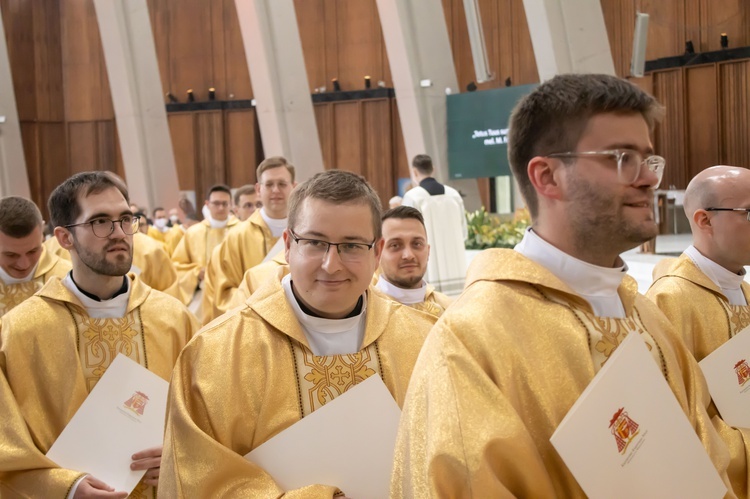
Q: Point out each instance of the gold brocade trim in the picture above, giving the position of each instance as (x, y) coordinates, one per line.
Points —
(605, 334)
(100, 340)
(321, 379)
(12, 295)
(429, 307)
(738, 316)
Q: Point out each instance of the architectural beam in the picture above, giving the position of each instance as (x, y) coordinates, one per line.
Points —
(419, 52)
(569, 36)
(14, 179)
(140, 113)
(282, 94)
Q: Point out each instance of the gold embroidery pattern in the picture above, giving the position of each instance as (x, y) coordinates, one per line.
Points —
(606, 333)
(430, 307)
(13, 294)
(100, 340)
(738, 316)
(322, 379)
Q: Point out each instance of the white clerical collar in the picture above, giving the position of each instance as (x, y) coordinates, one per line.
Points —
(328, 336)
(8, 280)
(105, 309)
(277, 225)
(726, 280)
(597, 285)
(217, 224)
(401, 295)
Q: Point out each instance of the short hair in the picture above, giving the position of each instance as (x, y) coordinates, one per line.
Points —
(551, 119)
(218, 188)
(63, 202)
(157, 209)
(273, 162)
(19, 216)
(403, 213)
(337, 187)
(423, 164)
(245, 190)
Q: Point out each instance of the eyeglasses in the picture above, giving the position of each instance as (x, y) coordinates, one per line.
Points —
(746, 210)
(220, 204)
(103, 227)
(315, 248)
(629, 163)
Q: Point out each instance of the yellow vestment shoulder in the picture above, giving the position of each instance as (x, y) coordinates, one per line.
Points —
(499, 372)
(43, 377)
(243, 249)
(173, 237)
(50, 265)
(696, 307)
(272, 378)
(156, 234)
(53, 246)
(257, 276)
(152, 264)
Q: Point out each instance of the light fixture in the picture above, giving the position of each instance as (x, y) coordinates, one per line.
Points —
(471, 87)
(367, 82)
(426, 83)
(336, 86)
(190, 96)
(171, 97)
(640, 38)
(507, 82)
(724, 41)
(689, 48)
(212, 93)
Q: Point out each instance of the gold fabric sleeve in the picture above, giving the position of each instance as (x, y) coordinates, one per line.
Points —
(153, 261)
(253, 348)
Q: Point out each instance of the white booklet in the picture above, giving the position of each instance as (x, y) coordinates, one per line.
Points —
(626, 435)
(122, 415)
(727, 372)
(348, 443)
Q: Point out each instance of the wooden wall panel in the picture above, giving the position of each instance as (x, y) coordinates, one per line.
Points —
(734, 103)
(236, 80)
(85, 84)
(361, 50)
(160, 26)
(702, 116)
(181, 130)
(324, 122)
(378, 147)
(18, 22)
(191, 63)
(400, 160)
(243, 149)
(52, 156)
(669, 138)
(311, 19)
(347, 136)
(82, 150)
(31, 155)
(723, 16)
(209, 151)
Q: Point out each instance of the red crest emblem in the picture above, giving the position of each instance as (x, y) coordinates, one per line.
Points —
(623, 428)
(137, 403)
(743, 372)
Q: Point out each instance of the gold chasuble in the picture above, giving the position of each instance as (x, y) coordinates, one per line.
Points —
(152, 264)
(52, 354)
(244, 248)
(156, 234)
(502, 368)
(193, 251)
(696, 306)
(173, 237)
(251, 374)
(49, 265)
(53, 246)
(434, 302)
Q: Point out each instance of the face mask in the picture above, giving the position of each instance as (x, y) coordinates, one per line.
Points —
(174, 219)
(160, 223)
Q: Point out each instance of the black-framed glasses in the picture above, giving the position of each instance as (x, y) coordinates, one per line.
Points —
(103, 227)
(629, 163)
(746, 210)
(315, 248)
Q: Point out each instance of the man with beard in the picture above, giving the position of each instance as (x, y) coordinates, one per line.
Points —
(56, 345)
(404, 262)
(534, 325)
(25, 263)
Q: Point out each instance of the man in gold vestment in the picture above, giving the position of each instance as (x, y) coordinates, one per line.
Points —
(247, 246)
(194, 249)
(275, 268)
(160, 227)
(514, 352)
(704, 293)
(25, 263)
(404, 262)
(282, 355)
(56, 345)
